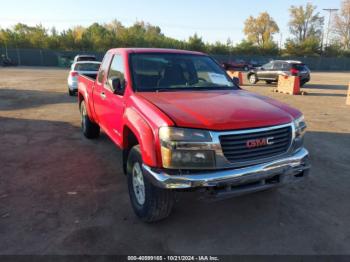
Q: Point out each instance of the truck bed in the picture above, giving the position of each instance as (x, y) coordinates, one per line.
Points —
(87, 79)
(86, 84)
(89, 75)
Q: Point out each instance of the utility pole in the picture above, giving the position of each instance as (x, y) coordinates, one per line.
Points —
(330, 10)
(280, 42)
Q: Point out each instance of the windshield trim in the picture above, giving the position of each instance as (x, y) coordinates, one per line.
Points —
(189, 89)
(135, 89)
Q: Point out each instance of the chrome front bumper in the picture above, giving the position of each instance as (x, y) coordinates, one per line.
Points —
(287, 169)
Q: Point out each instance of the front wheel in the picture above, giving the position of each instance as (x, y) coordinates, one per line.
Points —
(149, 202)
(302, 83)
(252, 79)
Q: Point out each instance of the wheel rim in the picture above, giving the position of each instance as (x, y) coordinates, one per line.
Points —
(252, 79)
(138, 184)
(83, 117)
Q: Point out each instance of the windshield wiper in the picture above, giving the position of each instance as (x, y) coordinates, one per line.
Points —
(166, 89)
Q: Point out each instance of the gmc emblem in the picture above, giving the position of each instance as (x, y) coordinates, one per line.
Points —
(260, 142)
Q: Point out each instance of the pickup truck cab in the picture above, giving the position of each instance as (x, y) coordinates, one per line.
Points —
(183, 124)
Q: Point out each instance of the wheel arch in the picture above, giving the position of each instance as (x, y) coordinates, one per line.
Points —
(137, 131)
(80, 99)
(89, 109)
(129, 141)
(252, 73)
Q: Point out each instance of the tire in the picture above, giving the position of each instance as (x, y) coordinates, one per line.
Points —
(252, 79)
(90, 129)
(70, 92)
(149, 202)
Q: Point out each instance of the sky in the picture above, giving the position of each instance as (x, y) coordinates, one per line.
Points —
(213, 20)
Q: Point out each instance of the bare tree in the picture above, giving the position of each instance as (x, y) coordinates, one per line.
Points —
(305, 22)
(341, 25)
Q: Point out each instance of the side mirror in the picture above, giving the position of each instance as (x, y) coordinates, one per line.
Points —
(235, 80)
(116, 85)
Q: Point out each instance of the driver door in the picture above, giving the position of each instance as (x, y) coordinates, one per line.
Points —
(99, 92)
(266, 71)
(114, 103)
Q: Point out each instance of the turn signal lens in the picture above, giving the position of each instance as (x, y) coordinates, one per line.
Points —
(166, 157)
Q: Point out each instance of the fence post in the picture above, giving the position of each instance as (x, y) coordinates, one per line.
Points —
(348, 96)
(18, 57)
(41, 58)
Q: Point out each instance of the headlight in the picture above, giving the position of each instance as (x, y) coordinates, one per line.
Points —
(183, 148)
(300, 126)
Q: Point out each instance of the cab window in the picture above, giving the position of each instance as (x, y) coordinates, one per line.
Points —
(268, 66)
(277, 66)
(117, 69)
(285, 66)
(104, 67)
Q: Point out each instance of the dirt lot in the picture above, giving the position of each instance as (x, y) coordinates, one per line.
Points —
(63, 194)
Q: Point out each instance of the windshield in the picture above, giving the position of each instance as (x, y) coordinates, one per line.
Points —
(170, 72)
(87, 67)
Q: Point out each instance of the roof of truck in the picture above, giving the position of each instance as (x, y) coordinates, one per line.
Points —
(154, 50)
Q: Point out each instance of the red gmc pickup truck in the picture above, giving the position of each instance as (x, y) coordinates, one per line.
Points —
(183, 124)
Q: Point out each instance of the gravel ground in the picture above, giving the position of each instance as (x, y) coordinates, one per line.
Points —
(63, 194)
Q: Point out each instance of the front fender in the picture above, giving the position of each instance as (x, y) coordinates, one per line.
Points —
(144, 134)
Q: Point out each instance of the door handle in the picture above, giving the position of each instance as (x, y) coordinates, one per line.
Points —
(103, 95)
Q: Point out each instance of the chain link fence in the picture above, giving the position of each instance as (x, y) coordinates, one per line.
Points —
(43, 57)
(320, 63)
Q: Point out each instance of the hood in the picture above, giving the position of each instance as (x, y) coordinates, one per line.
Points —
(221, 110)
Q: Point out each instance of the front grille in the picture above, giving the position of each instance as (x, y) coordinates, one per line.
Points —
(236, 147)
